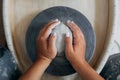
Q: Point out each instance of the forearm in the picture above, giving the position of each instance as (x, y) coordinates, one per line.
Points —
(36, 70)
(86, 72)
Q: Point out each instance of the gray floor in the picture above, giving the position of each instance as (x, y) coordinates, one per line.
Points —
(8, 67)
(111, 70)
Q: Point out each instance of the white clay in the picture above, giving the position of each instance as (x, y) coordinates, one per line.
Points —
(61, 31)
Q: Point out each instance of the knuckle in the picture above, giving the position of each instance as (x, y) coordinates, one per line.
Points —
(42, 38)
(68, 39)
(53, 37)
(77, 39)
(77, 30)
(77, 42)
(77, 27)
(69, 51)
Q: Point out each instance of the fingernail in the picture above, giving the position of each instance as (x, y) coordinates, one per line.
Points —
(68, 21)
(72, 21)
(67, 35)
(56, 20)
(58, 23)
(54, 34)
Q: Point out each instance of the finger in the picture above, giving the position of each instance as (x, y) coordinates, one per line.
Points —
(81, 36)
(46, 26)
(78, 29)
(52, 41)
(73, 27)
(51, 22)
(51, 26)
(75, 31)
(49, 29)
(69, 46)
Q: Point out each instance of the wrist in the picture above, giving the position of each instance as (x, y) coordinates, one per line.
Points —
(44, 59)
(78, 63)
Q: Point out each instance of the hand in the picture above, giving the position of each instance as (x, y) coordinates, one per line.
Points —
(75, 53)
(75, 50)
(46, 41)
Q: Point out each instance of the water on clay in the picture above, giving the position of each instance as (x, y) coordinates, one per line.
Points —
(60, 31)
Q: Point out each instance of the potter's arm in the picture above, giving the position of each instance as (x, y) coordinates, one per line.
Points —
(46, 52)
(36, 70)
(75, 53)
(85, 71)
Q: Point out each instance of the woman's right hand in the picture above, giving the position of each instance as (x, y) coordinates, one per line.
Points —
(75, 53)
(75, 50)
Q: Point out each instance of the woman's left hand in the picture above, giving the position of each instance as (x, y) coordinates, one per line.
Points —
(46, 41)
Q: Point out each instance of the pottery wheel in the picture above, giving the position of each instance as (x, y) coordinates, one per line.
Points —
(59, 66)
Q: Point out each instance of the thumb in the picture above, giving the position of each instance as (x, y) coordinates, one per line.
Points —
(68, 41)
